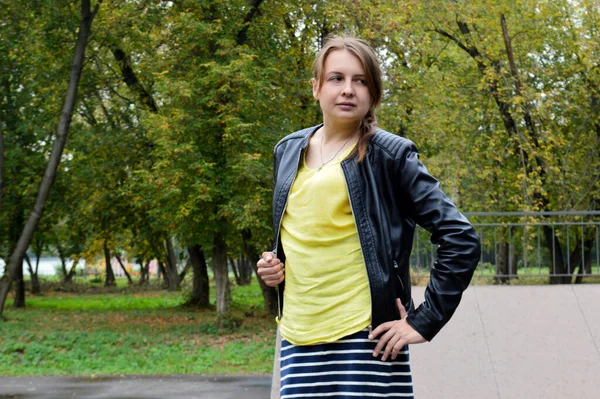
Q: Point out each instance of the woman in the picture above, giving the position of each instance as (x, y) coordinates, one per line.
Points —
(346, 199)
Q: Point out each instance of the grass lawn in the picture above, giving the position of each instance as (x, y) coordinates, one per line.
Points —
(128, 332)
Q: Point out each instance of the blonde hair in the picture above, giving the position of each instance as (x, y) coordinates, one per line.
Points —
(365, 53)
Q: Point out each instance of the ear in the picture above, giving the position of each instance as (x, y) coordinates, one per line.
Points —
(315, 88)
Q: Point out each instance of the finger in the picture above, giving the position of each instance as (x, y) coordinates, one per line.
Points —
(264, 266)
(379, 330)
(391, 341)
(401, 308)
(272, 275)
(268, 256)
(273, 282)
(275, 269)
(398, 348)
(382, 329)
(275, 275)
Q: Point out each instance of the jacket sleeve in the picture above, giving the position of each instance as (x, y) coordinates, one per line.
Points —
(459, 246)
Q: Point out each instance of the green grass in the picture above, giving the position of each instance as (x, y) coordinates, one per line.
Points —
(135, 333)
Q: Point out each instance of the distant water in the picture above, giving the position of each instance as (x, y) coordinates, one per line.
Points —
(48, 266)
(51, 266)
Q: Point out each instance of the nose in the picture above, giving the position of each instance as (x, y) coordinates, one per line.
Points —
(347, 89)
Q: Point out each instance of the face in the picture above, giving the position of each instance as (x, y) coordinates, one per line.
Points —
(344, 95)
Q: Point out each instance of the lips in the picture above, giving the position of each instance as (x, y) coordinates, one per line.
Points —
(347, 105)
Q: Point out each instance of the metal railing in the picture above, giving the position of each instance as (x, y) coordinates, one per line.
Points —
(563, 246)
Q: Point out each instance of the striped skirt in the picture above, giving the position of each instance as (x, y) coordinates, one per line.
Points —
(343, 369)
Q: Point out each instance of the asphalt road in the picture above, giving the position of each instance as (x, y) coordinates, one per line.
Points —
(137, 387)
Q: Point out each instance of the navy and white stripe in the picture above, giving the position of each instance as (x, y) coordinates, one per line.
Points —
(343, 369)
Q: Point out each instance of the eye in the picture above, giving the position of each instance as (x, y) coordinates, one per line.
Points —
(335, 78)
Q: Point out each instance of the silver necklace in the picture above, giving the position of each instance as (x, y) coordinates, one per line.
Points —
(334, 155)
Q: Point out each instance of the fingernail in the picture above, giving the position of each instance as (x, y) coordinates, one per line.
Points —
(370, 336)
(374, 354)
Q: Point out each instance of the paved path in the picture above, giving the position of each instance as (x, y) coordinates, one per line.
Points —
(137, 387)
(516, 342)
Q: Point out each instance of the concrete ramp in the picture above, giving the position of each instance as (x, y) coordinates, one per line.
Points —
(512, 342)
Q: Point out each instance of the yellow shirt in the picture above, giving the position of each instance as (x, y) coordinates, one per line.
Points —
(327, 292)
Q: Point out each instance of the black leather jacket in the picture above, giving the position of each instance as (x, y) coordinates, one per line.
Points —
(389, 192)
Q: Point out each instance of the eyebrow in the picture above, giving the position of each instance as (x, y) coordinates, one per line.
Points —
(341, 73)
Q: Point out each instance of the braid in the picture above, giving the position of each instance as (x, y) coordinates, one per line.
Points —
(366, 130)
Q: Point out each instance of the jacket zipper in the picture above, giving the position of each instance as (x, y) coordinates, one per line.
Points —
(279, 229)
(396, 267)
(370, 327)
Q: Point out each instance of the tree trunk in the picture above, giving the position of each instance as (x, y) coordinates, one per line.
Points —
(584, 265)
(162, 271)
(16, 259)
(73, 269)
(221, 275)
(19, 289)
(110, 276)
(200, 286)
(245, 269)
(35, 281)
(187, 267)
(502, 267)
(248, 256)
(173, 276)
(242, 270)
(1, 162)
(67, 277)
(36, 288)
(234, 269)
(144, 272)
(513, 266)
(557, 263)
(129, 280)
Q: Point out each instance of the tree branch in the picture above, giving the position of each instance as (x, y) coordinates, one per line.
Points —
(242, 36)
(131, 80)
(453, 38)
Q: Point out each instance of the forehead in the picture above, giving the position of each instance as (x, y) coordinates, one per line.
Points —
(343, 61)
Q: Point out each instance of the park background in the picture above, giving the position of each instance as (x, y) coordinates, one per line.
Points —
(163, 116)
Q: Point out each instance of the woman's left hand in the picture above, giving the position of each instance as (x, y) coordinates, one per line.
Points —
(396, 334)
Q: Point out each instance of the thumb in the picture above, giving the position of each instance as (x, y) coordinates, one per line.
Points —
(401, 308)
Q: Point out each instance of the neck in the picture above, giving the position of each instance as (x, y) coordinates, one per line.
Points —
(339, 131)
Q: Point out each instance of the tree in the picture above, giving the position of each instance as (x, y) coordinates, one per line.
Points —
(16, 259)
